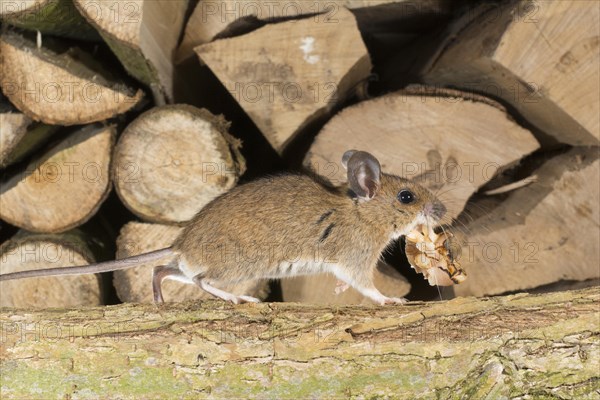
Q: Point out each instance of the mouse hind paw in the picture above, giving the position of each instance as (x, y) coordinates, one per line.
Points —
(222, 294)
(393, 300)
(248, 299)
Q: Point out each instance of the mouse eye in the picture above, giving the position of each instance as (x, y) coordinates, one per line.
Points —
(406, 196)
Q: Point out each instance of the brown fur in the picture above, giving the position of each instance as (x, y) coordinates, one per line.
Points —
(252, 230)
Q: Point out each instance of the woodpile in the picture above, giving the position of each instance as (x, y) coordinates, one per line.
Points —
(493, 106)
(550, 77)
(174, 103)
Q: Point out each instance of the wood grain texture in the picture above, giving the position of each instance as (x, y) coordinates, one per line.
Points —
(63, 187)
(506, 347)
(27, 251)
(541, 57)
(542, 233)
(143, 35)
(14, 127)
(173, 160)
(450, 142)
(285, 76)
(213, 19)
(59, 88)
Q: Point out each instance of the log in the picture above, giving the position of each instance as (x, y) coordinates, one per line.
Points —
(320, 289)
(541, 57)
(143, 35)
(14, 126)
(214, 19)
(49, 17)
(173, 160)
(520, 346)
(27, 251)
(59, 86)
(20, 136)
(64, 187)
(135, 284)
(542, 233)
(284, 76)
(411, 135)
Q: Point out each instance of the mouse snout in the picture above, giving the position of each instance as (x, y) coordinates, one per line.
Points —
(435, 210)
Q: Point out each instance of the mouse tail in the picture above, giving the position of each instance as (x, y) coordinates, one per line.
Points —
(97, 268)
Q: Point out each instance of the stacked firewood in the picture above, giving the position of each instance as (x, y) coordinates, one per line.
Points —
(493, 107)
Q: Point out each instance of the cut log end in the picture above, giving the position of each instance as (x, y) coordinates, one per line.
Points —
(59, 88)
(411, 136)
(31, 252)
(173, 160)
(64, 187)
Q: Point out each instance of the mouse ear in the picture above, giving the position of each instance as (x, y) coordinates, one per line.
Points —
(346, 157)
(364, 173)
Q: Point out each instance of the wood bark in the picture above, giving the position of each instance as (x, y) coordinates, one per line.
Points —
(541, 233)
(64, 187)
(520, 346)
(173, 160)
(541, 57)
(283, 75)
(320, 289)
(135, 284)
(449, 141)
(59, 86)
(143, 35)
(52, 17)
(27, 251)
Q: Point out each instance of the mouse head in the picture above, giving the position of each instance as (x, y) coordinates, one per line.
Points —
(389, 199)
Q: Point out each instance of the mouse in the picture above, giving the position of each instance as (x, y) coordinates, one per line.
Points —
(285, 226)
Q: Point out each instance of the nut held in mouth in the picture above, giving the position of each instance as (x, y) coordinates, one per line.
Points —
(430, 254)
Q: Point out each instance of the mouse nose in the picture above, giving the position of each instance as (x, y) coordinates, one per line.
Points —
(436, 210)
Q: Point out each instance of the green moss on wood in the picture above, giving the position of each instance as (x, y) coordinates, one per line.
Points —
(53, 17)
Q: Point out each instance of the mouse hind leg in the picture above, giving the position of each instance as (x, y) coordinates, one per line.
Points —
(163, 272)
(363, 282)
(204, 284)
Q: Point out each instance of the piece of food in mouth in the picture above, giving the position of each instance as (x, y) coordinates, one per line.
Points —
(431, 254)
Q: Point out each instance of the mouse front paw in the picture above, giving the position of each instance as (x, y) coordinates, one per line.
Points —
(393, 300)
(340, 287)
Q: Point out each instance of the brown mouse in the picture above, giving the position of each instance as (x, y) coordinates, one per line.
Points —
(286, 226)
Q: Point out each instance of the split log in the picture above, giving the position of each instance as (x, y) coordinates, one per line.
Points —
(542, 233)
(213, 19)
(52, 17)
(449, 141)
(284, 75)
(506, 347)
(64, 187)
(173, 160)
(26, 252)
(320, 289)
(135, 284)
(59, 86)
(14, 127)
(20, 136)
(143, 35)
(541, 57)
